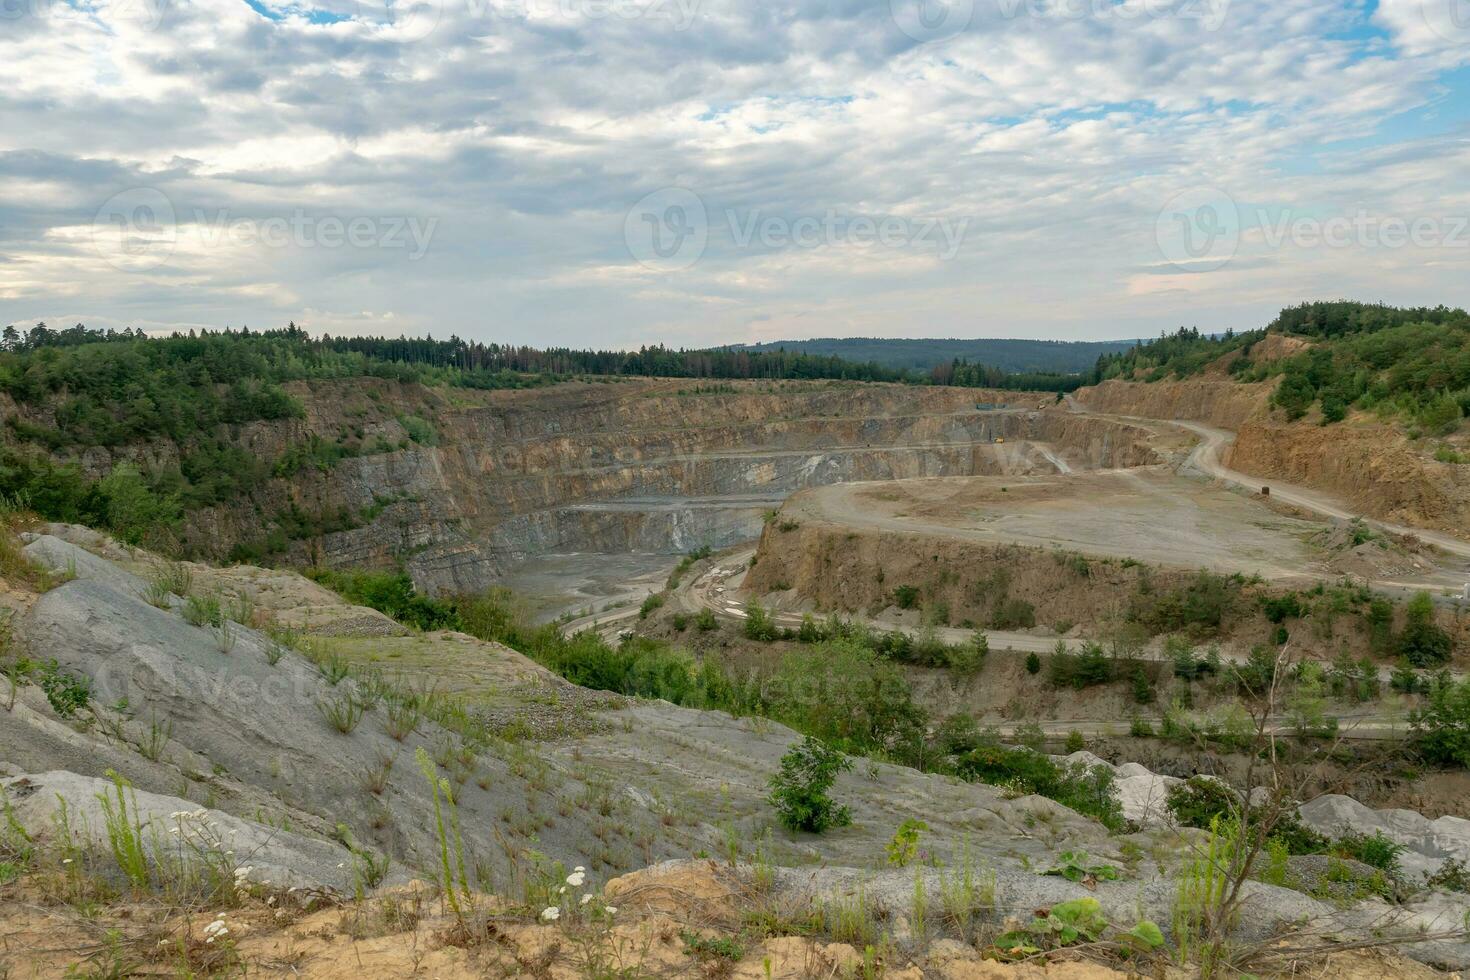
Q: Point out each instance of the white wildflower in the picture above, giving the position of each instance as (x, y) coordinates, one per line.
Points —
(610, 909)
(577, 878)
(586, 897)
(550, 914)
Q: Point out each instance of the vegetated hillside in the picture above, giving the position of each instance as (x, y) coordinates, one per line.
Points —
(925, 354)
(1408, 365)
(1365, 401)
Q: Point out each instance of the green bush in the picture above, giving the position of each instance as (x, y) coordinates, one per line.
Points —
(1200, 607)
(1033, 664)
(799, 790)
(1422, 643)
(1376, 851)
(1088, 790)
(1011, 614)
(1090, 667)
(651, 604)
(1280, 608)
(906, 596)
(1441, 729)
(66, 692)
(1199, 801)
(391, 593)
(759, 625)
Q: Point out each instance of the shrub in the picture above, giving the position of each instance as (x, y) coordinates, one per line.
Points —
(203, 610)
(904, 846)
(1033, 664)
(391, 593)
(906, 596)
(1075, 742)
(1376, 851)
(1090, 667)
(1441, 729)
(1089, 790)
(1422, 643)
(1199, 801)
(650, 605)
(66, 692)
(1281, 608)
(759, 625)
(704, 620)
(799, 789)
(342, 713)
(1010, 614)
(1200, 606)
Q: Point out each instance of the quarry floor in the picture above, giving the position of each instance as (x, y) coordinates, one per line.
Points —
(1148, 514)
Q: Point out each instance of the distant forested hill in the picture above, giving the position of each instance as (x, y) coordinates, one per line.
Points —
(1012, 356)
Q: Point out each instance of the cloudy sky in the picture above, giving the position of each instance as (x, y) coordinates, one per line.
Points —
(616, 172)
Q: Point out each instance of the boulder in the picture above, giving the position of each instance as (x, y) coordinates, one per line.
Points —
(1429, 843)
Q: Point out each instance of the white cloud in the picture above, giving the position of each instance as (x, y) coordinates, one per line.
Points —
(526, 129)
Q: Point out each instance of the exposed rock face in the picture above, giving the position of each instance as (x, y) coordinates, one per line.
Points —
(1144, 794)
(1429, 843)
(625, 465)
(1373, 466)
(1220, 402)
